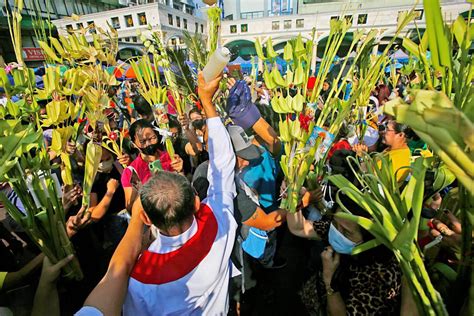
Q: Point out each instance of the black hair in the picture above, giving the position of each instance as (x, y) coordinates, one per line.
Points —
(379, 253)
(400, 128)
(168, 199)
(142, 106)
(339, 164)
(194, 110)
(173, 122)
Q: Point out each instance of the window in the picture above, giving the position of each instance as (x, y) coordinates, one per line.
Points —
(170, 19)
(202, 28)
(135, 39)
(173, 41)
(275, 25)
(362, 19)
(178, 21)
(418, 14)
(251, 15)
(142, 18)
(115, 23)
(69, 28)
(334, 17)
(80, 26)
(196, 25)
(233, 29)
(128, 21)
(287, 24)
(181, 41)
(244, 28)
(185, 24)
(299, 23)
(91, 26)
(348, 18)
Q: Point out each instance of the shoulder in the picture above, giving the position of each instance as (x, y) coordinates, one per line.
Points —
(401, 153)
(88, 311)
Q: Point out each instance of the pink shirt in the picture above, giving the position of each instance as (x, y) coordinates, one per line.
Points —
(142, 169)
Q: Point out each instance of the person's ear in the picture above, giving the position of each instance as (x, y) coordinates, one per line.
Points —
(144, 217)
(197, 203)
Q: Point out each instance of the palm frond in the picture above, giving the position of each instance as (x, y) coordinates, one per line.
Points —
(196, 49)
(185, 78)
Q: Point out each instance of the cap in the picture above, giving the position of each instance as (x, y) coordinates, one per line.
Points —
(242, 143)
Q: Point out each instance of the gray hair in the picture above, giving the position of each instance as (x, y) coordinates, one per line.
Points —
(168, 199)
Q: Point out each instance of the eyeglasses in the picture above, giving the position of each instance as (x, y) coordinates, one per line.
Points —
(143, 142)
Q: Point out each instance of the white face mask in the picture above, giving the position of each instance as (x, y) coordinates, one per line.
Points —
(106, 166)
(201, 139)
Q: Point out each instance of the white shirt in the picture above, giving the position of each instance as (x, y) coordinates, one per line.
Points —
(204, 290)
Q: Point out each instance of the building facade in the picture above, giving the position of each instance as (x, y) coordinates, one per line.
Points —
(254, 9)
(170, 18)
(240, 35)
(43, 9)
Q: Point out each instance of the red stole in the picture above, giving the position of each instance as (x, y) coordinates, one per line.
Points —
(160, 268)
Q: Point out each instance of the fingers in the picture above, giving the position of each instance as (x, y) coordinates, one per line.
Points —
(230, 83)
(442, 228)
(201, 81)
(63, 262)
(327, 255)
(453, 222)
(215, 82)
(435, 233)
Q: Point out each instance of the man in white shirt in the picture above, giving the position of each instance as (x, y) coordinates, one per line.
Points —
(186, 270)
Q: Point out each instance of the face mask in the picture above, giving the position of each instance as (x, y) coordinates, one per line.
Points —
(106, 166)
(340, 243)
(201, 139)
(150, 150)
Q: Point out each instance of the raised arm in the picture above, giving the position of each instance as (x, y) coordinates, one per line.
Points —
(266, 133)
(244, 113)
(221, 154)
(300, 226)
(108, 296)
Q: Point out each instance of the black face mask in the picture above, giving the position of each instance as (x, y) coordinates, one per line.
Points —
(150, 150)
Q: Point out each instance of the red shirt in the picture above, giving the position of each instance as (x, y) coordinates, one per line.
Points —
(342, 144)
(142, 169)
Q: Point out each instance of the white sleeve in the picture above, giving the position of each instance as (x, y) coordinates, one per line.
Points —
(88, 311)
(221, 159)
(135, 303)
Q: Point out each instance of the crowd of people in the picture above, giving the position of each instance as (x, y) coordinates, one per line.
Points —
(189, 234)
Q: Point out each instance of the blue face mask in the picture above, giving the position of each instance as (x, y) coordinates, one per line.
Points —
(340, 243)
